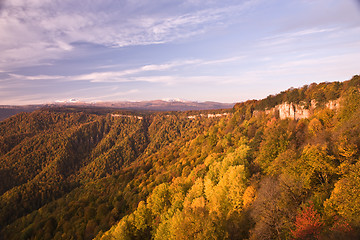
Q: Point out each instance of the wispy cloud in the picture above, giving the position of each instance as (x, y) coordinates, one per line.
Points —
(128, 74)
(285, 38)
(301, 33)
(37, 77)
(304, 70)
(224, 60)
(33, 32)
(176, 63)
(109, 95)
(133, 74)
(97, 93)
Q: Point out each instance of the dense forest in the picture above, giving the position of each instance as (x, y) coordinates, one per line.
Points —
(73, 173)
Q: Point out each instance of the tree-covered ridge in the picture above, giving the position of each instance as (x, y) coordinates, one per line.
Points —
(77, 174)
(320, 93)
(55, 151)
(56, 154)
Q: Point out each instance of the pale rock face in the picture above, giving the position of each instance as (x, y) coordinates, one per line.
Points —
(293, 111)
(298, 111)
(301, 112)
(333, 104)
(286, 110)
(127, 116)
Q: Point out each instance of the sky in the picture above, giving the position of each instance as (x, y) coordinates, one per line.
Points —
(195, 50)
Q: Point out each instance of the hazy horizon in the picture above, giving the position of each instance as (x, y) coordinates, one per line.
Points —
(76, 101)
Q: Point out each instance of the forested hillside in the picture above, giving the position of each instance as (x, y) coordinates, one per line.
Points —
(72, 173)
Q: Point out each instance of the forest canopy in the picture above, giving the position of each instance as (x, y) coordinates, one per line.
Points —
(222, 174)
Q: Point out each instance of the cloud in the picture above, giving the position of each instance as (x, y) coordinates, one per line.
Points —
(131, 75)
(12, 94)
(37, 77)
(35, 31)
(174, 64)
(172, 73)
(303, 70)
(289, 37)
(224, 60)
(110, 94)
(128, 74)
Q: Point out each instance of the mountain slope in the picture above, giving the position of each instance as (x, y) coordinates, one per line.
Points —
(72, 174)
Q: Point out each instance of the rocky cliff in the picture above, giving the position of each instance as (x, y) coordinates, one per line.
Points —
(298, 111)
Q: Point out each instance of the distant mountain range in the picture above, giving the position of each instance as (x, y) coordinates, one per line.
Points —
(8, 110)
(162, 105)
(155, 105)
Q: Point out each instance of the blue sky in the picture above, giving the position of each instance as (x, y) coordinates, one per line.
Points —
(200, 50)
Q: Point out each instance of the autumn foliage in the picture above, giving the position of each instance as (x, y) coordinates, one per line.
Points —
(77, 173)
(308, 224)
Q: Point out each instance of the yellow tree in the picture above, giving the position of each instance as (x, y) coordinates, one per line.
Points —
(345, 198)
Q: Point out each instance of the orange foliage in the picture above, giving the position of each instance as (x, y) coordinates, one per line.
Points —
(308, 224)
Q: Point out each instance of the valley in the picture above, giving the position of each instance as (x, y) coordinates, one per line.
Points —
(252, 171)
